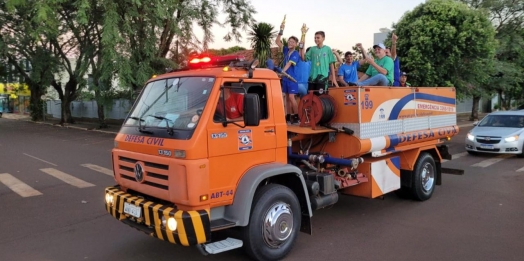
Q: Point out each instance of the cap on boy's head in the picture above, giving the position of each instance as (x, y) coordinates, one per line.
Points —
(380, 45)
(403, 74)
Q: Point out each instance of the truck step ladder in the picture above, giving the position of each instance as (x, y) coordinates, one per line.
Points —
(222, 246)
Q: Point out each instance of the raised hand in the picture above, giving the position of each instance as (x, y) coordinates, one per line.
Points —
(394, 37)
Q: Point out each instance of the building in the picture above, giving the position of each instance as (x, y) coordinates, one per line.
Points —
(381, 36)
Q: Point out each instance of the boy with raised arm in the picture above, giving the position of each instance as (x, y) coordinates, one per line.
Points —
(322, 61)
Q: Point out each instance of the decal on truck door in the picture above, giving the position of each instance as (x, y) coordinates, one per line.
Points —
(245, 141)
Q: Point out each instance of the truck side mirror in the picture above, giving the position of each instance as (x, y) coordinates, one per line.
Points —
(251, 109)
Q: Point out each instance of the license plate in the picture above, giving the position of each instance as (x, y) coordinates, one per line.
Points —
(484, 146)
(132, 210)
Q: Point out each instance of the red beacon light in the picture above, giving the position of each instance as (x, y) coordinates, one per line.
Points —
(214, 61)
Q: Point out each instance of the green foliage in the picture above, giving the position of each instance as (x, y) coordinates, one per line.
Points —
(446, 43)
(261, 37)
(222, 51)
(137, 35)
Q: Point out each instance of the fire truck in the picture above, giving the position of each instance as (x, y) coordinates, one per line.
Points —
(186, 172)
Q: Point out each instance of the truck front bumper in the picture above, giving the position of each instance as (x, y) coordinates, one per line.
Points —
(190, 227)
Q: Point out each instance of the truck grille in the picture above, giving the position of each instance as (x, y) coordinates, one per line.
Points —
(156, 175)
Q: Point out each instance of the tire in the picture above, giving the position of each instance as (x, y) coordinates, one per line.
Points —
(424, 177)
(278, 203)
(521, 155)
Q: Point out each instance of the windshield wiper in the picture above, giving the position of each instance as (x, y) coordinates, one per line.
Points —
(170, 130)
(140, 128)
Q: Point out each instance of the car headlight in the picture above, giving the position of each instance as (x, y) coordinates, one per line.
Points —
(511, 139)
(471, 137)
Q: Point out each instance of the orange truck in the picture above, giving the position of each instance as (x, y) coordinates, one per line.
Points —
(185, 170)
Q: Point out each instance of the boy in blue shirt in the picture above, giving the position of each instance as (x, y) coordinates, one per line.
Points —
(347, 73)
(290, 88)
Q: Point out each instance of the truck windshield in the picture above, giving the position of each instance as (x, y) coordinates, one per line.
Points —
(173, 104)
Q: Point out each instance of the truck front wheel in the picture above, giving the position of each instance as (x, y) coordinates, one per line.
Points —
(273, 224)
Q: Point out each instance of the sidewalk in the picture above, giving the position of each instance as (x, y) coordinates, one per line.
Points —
(80, 125)
(462, 121)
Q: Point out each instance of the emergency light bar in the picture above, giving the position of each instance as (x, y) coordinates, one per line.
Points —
(214, 61)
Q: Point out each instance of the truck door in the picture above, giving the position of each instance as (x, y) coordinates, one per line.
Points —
(233, 149)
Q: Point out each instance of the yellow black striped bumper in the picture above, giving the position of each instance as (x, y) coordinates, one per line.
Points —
(193, 226)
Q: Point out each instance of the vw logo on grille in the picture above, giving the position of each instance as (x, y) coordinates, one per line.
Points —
(139, 172)
(487, 138)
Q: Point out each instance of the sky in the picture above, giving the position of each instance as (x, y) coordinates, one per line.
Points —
(345, 22)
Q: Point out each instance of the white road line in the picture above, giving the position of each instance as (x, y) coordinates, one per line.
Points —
(40, 159)
(98, 168)
(491, 161)
(456, 156)
(18, 186)
(67, 178)
(520, 170)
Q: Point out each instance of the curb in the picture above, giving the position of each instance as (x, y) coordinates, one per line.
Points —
(73, 127)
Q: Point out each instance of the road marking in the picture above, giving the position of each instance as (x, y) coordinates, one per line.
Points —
(491, 161)
(40, 159)
(18, 186)
(520, 170)
(67, 178)
(456, 156)
(98, 168)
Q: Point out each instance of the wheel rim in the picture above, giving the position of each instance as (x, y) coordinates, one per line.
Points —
(427, 177)
(278, 224)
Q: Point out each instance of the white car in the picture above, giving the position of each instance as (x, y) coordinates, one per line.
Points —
(499, 132)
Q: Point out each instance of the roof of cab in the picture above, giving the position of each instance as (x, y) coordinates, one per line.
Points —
(258, 73)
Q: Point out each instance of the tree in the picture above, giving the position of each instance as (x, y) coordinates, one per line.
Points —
(21, 41)
(261, 37)
(139, 35)
(222, 51)
(507, 17)
(446, 43)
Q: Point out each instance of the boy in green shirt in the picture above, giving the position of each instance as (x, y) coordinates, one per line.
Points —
(380, 71)
(322, 62)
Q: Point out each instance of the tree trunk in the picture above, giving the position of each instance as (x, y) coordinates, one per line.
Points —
(36, 105)
(475, 109)
(100, 109)
(69, 96)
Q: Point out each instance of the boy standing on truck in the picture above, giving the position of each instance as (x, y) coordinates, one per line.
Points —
(322, 62)
(289, 88)
(393, 54)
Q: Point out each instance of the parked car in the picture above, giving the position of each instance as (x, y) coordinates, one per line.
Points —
(500, 132)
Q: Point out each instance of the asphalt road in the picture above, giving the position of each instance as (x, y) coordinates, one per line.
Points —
(477, 216)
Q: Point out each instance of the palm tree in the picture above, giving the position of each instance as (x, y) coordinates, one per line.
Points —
(261, 37)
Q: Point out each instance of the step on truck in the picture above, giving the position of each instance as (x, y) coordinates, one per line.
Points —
(185, 172)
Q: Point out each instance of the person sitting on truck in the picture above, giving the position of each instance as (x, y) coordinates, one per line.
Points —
(380, 70)
(347, 73)
(392, 52)
(289, 88)
(322, 63)
(234, 106)
(403, 80)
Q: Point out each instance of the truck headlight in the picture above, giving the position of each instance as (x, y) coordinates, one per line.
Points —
(109, 198)
(171, 224)
(471, 137)
(511, 139)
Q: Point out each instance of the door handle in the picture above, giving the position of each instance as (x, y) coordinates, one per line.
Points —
(269, 130)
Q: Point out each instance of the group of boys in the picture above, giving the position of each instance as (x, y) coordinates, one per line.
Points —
(382, 71)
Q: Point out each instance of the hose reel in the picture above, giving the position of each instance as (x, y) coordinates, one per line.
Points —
(315, 110)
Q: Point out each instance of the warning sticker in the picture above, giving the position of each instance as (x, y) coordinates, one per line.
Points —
(349, 97)
(245, 141)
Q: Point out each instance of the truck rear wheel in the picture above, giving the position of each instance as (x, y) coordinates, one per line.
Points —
(424, 177)
(274, 223)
